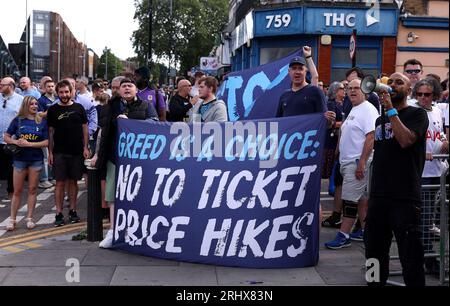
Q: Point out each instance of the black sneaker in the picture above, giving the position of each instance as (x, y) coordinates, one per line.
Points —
(59, 220)
(105, 213)
(333, 221)
(432, 266)
(73, 217)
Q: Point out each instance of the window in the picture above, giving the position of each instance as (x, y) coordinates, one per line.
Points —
(368, 57)
(39, 30)
(272, 54)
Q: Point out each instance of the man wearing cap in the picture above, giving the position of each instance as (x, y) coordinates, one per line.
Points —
(128, 107)
(303, 98)
(151, 96)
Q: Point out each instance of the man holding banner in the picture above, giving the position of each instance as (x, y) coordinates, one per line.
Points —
(303, 98)
(128, 107)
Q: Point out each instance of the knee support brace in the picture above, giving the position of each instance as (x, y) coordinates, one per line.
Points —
(349, 209)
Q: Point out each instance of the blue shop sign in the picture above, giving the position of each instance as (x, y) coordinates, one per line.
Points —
(319, 20)
(338, 21)
(279, 22)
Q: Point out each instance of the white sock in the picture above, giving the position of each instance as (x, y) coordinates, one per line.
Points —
(347, 236)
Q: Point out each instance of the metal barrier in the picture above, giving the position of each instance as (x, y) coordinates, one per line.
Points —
(434, 226)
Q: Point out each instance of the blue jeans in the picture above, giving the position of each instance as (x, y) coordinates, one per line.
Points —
(23, 165)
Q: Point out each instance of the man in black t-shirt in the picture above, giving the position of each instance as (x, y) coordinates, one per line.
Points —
(181, 103)
(68, 147)
(394, 205)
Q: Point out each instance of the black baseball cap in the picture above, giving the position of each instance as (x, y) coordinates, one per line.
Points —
(127, 80)
(297, 60)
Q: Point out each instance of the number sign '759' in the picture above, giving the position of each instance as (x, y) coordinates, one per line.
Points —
(278, 21)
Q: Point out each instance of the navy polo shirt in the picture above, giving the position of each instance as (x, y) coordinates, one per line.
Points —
(308, 100)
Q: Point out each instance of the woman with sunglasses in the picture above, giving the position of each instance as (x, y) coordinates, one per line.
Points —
(427, 91)
(28, 131)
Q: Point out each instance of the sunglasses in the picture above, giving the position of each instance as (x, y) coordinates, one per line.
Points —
(424, 94)
(4, 103)
(413, 71)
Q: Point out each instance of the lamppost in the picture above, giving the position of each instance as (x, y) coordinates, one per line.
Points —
(150, 33)
(27, 64)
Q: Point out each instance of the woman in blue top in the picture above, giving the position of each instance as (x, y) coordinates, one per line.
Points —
(29, 131)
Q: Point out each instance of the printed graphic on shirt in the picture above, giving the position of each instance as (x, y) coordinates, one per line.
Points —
(65, 115)
(388, 130)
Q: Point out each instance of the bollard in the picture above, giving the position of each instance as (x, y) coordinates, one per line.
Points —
(94, 207)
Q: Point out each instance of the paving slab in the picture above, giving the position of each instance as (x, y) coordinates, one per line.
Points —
(104, 257)
(349, 275)
(268, 277)
(41, 258)
(165, 276)
(56, 276)
(4, 273)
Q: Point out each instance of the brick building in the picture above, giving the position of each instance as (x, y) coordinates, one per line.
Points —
(53, 49)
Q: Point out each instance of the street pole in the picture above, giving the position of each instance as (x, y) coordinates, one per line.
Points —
(150, 33)
(84, 54)
(59, 48)
(26, 40)
(94, 212)
(356, 49)
(106, 64)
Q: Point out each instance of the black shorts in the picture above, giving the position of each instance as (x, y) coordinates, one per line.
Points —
(338, 179)
(68, 167)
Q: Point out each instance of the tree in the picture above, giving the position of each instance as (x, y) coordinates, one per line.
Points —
(183, 35)
(114, 65)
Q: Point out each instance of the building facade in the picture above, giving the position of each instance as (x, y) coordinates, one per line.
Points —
(8, 66)
(423, 35)
(274, 30)
(53, 49)
(263, 31)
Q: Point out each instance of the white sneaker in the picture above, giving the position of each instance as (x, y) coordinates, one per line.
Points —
(435, 230)
(45, 185)
(108, 241)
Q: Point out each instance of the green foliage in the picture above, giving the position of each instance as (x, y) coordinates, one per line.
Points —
(185, 35)
(115, 66)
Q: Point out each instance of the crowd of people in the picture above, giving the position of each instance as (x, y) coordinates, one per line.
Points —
(384, 139)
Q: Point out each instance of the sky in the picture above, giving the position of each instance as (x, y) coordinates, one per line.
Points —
(106, 22)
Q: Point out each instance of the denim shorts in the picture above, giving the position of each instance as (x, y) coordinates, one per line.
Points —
(20, 165)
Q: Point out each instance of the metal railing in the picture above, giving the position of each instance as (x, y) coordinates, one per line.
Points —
(434, 226)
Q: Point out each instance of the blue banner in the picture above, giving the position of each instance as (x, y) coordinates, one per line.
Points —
(255, 93)
(243, 194)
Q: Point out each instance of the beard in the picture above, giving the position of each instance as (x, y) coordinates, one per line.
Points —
(64, 100)
(398, 98)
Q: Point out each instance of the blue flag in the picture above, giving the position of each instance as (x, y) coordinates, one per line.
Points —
(254, 93)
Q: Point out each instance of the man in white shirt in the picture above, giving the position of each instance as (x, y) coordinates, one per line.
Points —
(82, 89)
(355, 155)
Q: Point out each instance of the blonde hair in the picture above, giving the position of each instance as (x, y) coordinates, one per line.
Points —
(24, 109)
(102, 98)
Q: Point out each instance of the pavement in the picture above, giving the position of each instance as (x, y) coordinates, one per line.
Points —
(47, 256)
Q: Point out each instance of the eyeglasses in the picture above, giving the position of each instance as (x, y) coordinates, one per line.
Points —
(413, 71)
(4, 103)
(424, 94)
